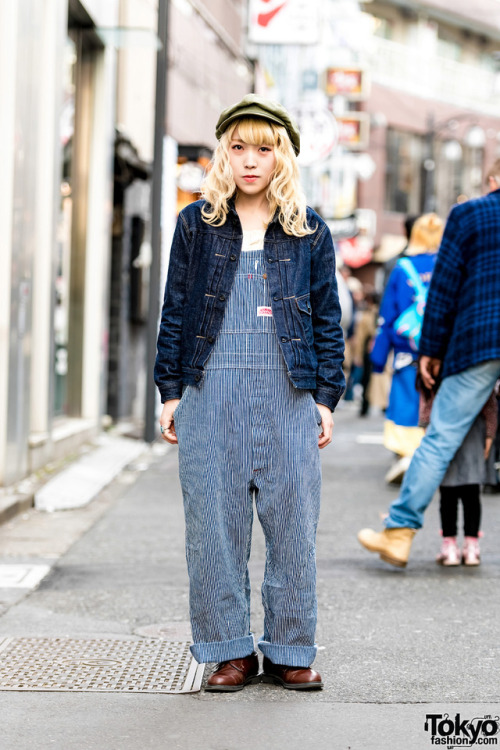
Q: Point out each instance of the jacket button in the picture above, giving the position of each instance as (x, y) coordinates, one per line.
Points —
(284, 339)
(222, 298)
(197, 378)
(210, 339)
(232, 257)
(270, 260)
(276, 299)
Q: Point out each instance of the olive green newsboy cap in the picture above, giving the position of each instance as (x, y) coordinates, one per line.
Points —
(253, 105)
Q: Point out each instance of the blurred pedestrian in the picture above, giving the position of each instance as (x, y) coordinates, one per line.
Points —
(491, 484)
(364, 334)
(346, 304)
(406, 289)
(352, 372)
(462, 481)
(391, 264)
(250, 337)
(460, 345)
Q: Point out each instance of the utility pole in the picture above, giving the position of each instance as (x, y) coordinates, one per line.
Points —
(156, 217)
(429, 166)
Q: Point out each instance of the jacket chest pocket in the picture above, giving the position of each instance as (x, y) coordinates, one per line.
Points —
(215, 271)
(213, 255)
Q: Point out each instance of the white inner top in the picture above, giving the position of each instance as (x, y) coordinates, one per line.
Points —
(253, 239)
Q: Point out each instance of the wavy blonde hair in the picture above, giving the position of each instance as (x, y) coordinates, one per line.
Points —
(426, 235)
(284, 193)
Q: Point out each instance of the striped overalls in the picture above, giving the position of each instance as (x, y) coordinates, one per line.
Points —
(245, 433)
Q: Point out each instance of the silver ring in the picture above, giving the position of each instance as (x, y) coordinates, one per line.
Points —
(161, 429)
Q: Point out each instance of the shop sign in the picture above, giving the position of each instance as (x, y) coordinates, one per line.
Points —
(318, 132)
(356, 251)
(309, 80)
(362, 221)
(354, 129)
(351, 82)
(283, 22)
(343, 228)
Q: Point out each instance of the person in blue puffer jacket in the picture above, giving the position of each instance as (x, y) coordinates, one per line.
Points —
(402, 434)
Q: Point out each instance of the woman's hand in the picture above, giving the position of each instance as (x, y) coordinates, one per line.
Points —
(167, 421)
(325, 437)
(487, 447)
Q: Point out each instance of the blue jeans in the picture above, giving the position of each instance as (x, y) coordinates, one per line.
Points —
(459, 400)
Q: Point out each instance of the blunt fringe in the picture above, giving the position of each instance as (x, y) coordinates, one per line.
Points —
(284, 192)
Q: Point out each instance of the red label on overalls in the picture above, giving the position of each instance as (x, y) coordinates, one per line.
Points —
(264, 311)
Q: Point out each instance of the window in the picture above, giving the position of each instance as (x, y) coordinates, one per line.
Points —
(378, 26)
(62, 295)
(403, 171)
(459, 178)
(448, 46)
(448, 175)
(488, 61)
(383, 27)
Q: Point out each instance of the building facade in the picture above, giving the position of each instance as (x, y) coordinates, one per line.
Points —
(56, 125)
(207, 70)
(77, 85)
(434, 107)
(415, 90)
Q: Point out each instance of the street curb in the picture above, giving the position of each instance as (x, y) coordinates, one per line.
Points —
(22, 497)
(12, 505)
(80, 482)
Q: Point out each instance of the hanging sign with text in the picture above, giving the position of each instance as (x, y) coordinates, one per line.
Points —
(350, 82)
(354, 129)
(283, 21)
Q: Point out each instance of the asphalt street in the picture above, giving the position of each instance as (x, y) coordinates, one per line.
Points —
(395, 646)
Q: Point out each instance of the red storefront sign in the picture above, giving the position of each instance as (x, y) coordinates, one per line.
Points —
(354, 129)
(356, 251)
(349, 82)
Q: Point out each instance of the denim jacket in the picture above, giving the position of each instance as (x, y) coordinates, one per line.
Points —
(304, 300)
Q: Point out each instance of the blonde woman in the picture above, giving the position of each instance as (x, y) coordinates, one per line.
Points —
(406, 289)
(249, 370)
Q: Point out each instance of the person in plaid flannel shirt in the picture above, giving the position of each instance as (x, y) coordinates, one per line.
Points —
(460, 347)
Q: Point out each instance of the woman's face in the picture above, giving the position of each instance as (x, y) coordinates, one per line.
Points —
(252, 166)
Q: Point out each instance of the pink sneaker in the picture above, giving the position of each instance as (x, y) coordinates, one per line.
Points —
(470, 553)
(450, 554)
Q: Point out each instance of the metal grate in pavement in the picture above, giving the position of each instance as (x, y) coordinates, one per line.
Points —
(84, 665)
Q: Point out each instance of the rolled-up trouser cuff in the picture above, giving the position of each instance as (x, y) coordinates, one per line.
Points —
(290, 656)
(400, 523)
(223, 650)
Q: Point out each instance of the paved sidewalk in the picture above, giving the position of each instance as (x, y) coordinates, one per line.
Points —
(395, 645)
(74, 481)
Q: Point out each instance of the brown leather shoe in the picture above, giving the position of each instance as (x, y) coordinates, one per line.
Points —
(233, 675)
(292, 678)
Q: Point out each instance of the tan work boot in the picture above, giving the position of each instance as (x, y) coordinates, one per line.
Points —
(393, 545)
